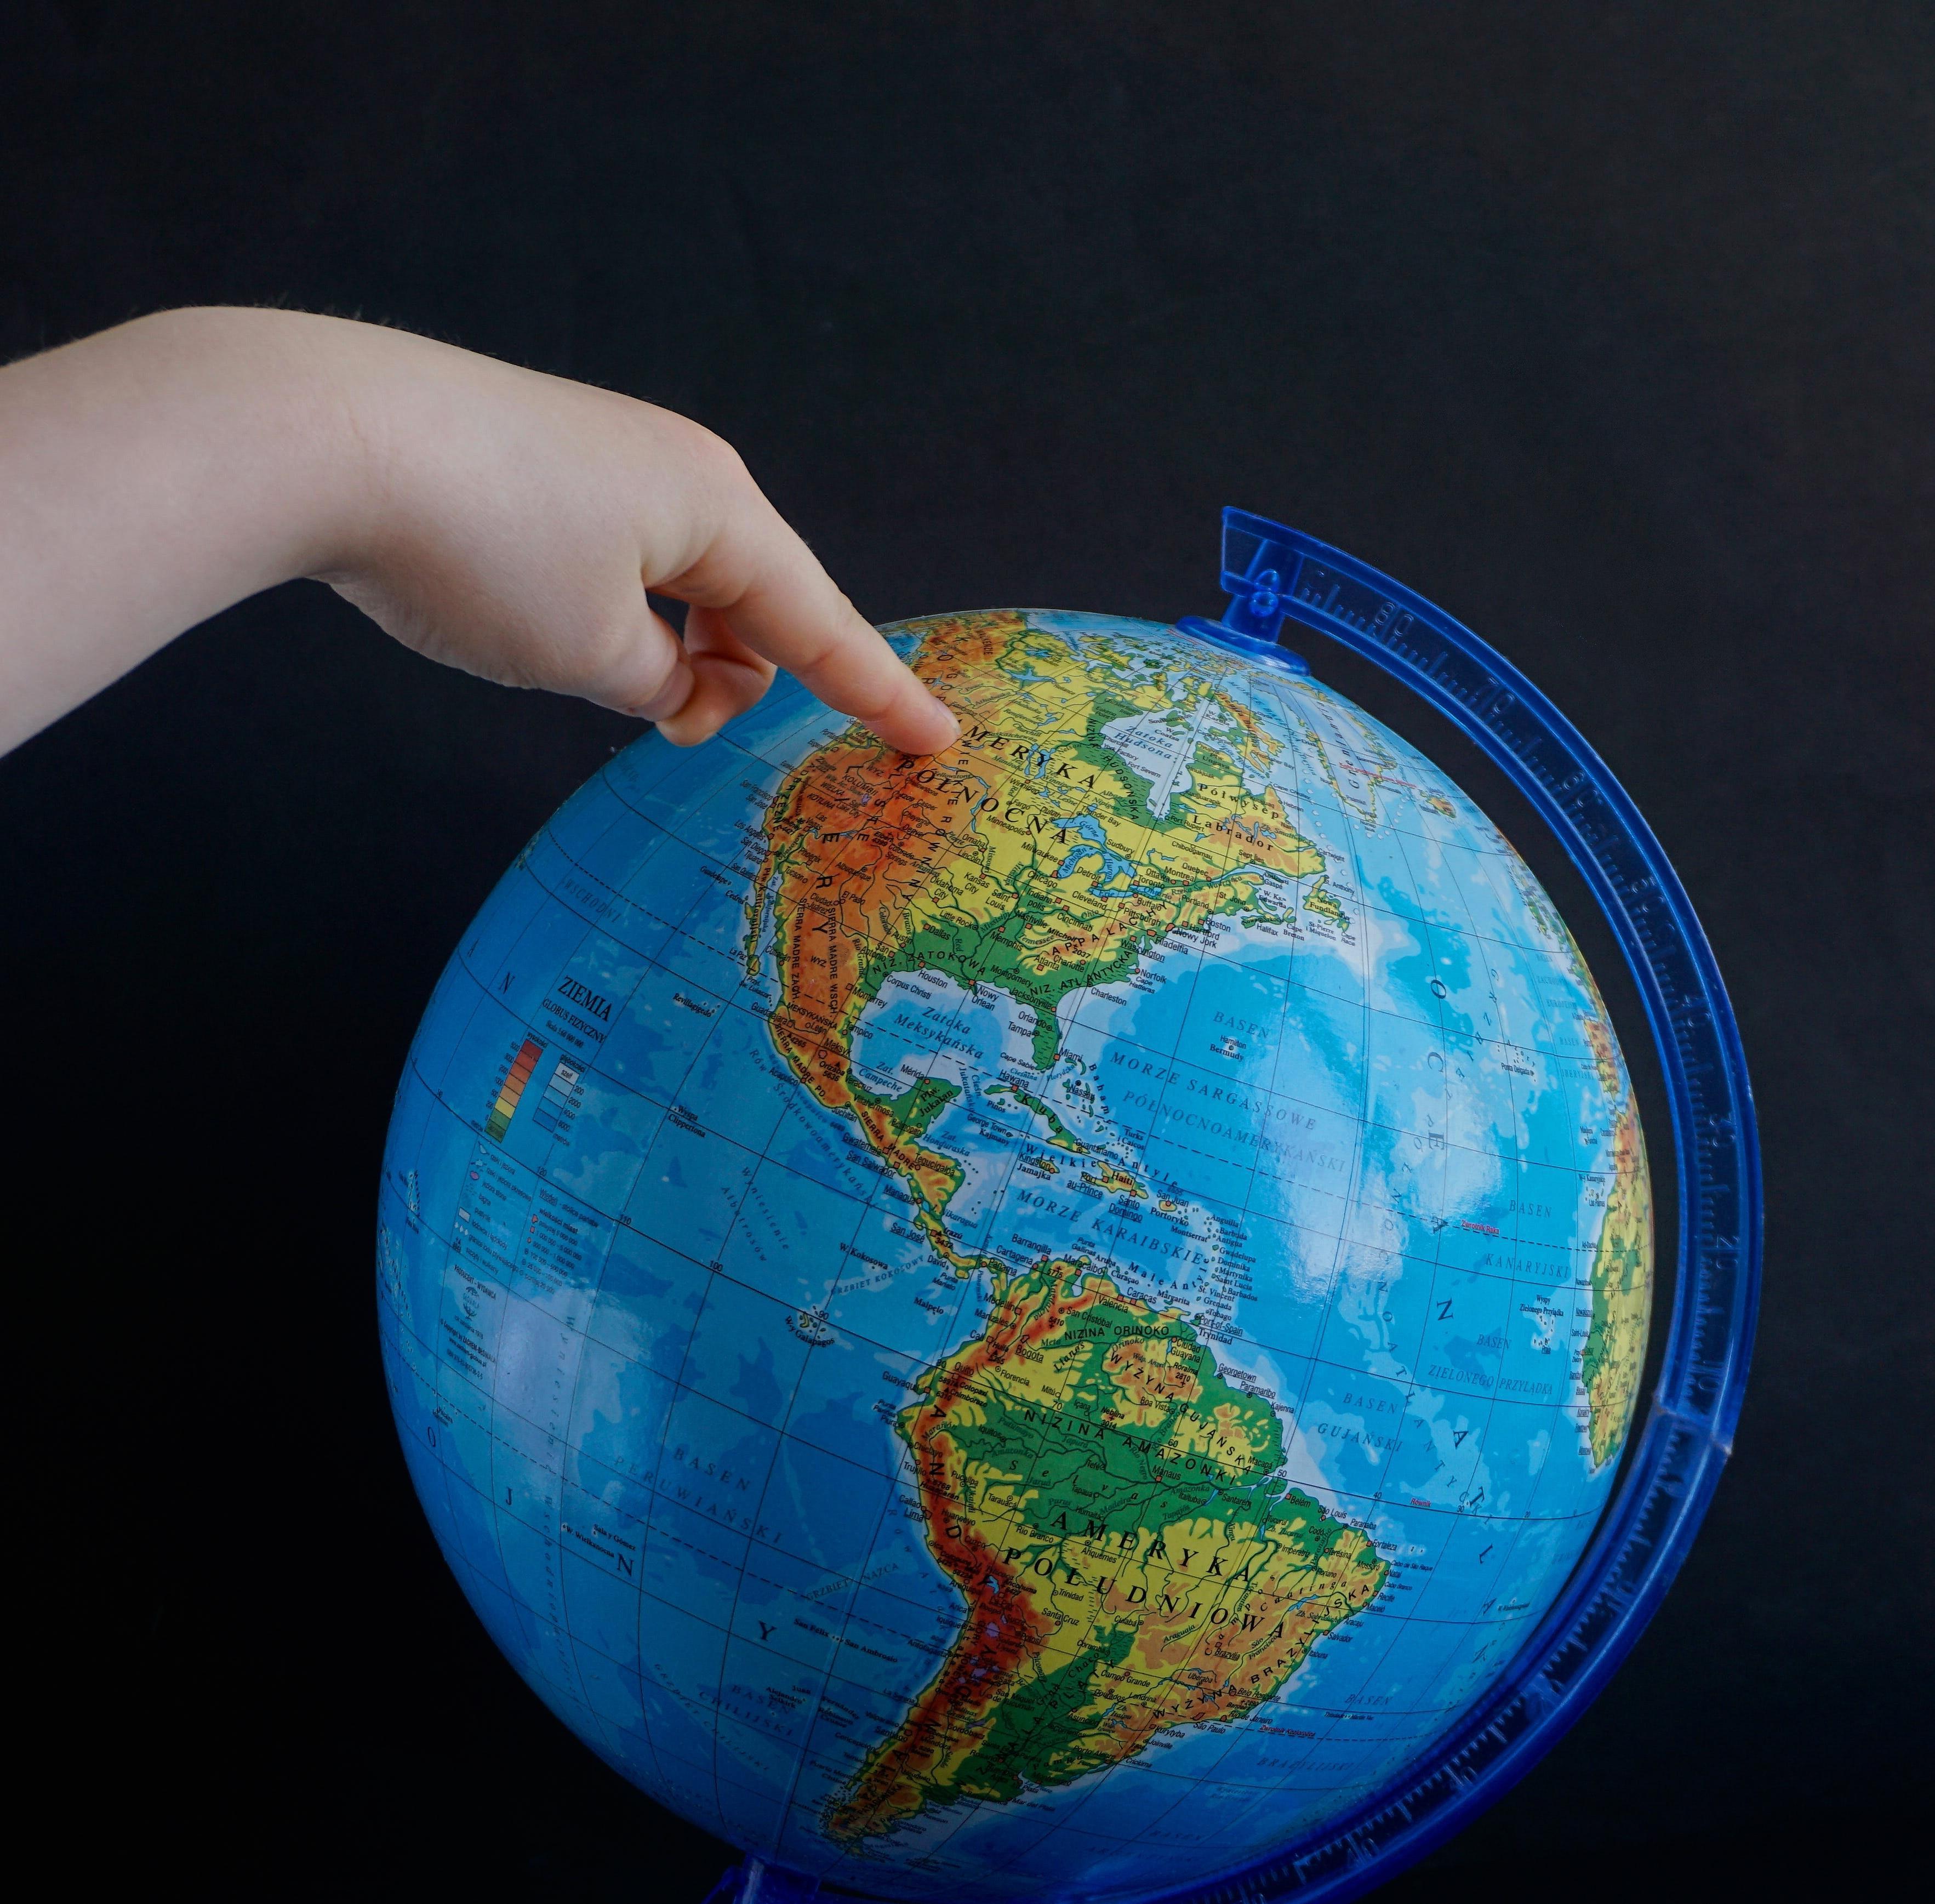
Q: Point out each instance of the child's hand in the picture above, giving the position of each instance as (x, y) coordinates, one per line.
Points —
(505, 521)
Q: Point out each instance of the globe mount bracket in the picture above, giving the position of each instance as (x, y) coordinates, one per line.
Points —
(1261, 564)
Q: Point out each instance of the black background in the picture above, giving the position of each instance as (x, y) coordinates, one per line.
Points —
(1611, 329)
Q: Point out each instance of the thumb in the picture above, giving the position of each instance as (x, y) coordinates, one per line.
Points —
(726, 677)
(690, 688)
(641, 668)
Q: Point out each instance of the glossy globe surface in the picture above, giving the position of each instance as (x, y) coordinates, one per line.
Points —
(1037, 1323)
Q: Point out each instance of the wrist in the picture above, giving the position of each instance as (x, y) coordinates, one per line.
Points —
(264, 425)
(154, 475)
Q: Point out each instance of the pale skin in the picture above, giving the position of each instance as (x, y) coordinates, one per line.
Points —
(505, 521)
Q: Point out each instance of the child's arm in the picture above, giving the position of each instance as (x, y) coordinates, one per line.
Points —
(505, 521)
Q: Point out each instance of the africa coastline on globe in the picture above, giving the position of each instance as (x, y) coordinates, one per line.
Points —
(1035, 1323)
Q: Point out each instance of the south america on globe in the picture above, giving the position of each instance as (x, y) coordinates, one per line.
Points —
(1038, 1322)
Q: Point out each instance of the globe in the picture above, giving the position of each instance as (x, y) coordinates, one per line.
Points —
(1033, 1323)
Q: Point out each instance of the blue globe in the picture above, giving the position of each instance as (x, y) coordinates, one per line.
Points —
(1033, 1323)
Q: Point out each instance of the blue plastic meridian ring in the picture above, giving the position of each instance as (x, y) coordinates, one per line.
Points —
(1272, 573)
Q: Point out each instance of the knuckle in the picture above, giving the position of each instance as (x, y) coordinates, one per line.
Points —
(710, 454)
(720, 456)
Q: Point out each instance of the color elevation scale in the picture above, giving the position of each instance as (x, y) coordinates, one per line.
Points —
(512, 1088)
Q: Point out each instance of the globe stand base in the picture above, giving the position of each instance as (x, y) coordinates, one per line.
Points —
(753, 1882)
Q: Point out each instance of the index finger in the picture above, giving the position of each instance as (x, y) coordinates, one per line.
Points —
(770, 591)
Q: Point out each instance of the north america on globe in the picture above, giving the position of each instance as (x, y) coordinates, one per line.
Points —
(1039, 1322)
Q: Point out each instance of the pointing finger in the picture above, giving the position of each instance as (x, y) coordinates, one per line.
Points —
(765, 587)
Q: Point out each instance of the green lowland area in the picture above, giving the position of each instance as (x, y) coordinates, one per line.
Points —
(914, 1111)
(1044, 1731)
(1091, 1478)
